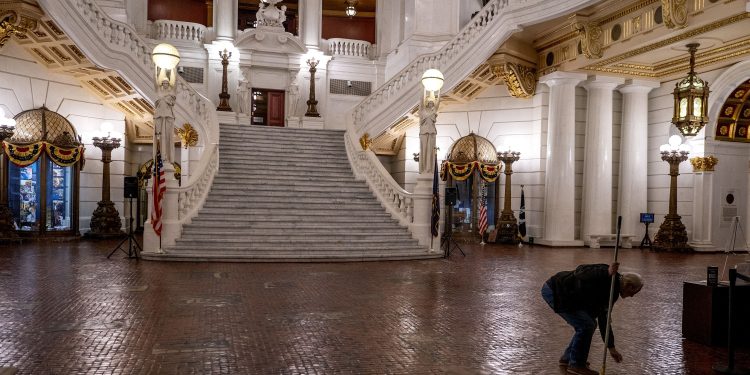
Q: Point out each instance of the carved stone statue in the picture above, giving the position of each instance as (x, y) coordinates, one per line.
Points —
(243, 96)
(164, 126)
(427, 133)
(269, 15)
(293, 99)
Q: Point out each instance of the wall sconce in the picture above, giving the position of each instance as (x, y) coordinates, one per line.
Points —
(690, 100)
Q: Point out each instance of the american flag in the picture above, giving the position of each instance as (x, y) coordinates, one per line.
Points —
(160, 187)
(483, 211)
(435, 224)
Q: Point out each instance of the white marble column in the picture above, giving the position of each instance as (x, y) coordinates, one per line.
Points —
(225, 20)
(596, 208)
(310, 23)
(559, 193)
(633, 179)
(703, 195)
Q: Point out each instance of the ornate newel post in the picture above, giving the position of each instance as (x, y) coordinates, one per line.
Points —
(672, 235)
(105, 222)
(7, 230)
(508, 226)
(312, 111)
(224, 95)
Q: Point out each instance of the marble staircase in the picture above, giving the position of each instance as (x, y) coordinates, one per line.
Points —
(285, 194)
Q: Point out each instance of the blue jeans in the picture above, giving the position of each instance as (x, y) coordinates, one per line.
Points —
(584, 325)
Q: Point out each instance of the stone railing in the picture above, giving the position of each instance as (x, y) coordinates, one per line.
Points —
(472, 46)
(349, 48)
(114, 45)
(396, 200)
(191, 198)
(178, 32)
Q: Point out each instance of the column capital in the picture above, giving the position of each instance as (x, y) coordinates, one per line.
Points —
(602, 82)
(638, 86)
(562, 78)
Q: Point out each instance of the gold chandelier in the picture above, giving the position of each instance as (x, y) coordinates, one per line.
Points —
(351, 11)
(690, 100)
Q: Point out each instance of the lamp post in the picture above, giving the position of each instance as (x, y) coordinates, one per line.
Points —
(7, 229)
(672, 235)
(105, 221)
(432, 80)
(508, 226)
(166, 58)
(224, 95)
(312, 111)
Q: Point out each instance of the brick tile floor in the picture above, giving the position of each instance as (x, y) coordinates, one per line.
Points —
(66, 309)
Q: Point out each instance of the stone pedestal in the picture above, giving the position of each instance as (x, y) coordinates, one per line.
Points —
(313, 123)
(421, 227)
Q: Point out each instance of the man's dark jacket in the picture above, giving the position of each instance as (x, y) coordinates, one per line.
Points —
(587, 289)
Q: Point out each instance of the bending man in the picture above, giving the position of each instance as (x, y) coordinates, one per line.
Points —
(581, 297)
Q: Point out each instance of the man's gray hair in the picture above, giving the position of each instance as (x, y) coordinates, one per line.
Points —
(633, 280)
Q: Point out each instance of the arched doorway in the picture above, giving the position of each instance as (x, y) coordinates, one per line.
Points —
(44, 159)
(472, 168)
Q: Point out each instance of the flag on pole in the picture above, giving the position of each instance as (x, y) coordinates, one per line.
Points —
(159, 188)
(435, 202)
(522, 216)
(483, 211)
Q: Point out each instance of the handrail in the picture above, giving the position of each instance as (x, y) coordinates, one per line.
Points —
(178, 31)
(114, 45)
(473, 45)
(397, 201)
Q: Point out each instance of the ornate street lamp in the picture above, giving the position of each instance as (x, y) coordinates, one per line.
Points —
(672, 235)
(105, 222)
(224, 95)
(690, 100)
(7, 229)
(508, 226)
(312, 111)
(432, 80)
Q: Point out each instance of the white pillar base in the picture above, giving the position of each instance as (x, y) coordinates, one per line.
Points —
(558, 243)
(420, 228)
(293, 122)
(313, 123)
(227, 117)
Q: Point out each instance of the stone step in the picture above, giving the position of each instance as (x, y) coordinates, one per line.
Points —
(293, 256)
(235, 176)
(260, 129)
(224, 216)
(292, 205)
(299, 226)
(279, 211)
(320, 236)
(256, 199)
(312, 187)
(279, 244)
(290, 182)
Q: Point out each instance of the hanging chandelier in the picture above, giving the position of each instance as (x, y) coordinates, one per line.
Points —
(351, 11)
(690, 100)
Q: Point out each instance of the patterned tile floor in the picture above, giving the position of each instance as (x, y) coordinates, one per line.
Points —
(67, 309)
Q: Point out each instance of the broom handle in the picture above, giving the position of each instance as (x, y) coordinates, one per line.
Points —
(611, 299)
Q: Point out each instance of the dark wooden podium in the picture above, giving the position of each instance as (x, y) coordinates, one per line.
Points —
(705, 314)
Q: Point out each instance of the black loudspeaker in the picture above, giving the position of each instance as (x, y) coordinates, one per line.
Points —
(450, 196)
(130, 188)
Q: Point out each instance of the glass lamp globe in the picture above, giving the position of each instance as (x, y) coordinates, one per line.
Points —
(675, 141)
(432, 80)
(685, 148)
(165, 56)
(664, 148)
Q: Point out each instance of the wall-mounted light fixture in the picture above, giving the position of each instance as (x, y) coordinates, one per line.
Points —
(351, 11)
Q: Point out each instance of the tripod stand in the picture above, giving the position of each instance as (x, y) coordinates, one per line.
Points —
(447, 242)
(133, 249)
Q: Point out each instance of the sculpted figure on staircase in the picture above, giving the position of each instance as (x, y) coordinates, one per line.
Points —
(269, 15)
(164, 126)
(427, 133)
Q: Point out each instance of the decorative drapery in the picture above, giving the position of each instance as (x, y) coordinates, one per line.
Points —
(462, 171)
(23, 155)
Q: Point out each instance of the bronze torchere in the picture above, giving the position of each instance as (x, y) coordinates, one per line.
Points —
(224, 96)
(105, 221)
(312, 111)
(508, 226)
(672, 235)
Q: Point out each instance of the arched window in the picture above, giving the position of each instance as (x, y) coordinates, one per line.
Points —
(44, 159)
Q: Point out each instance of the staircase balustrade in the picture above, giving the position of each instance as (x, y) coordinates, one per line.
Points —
(178, 32)
(114, 45)
(366, 165)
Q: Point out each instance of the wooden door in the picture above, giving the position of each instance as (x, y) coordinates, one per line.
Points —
(275, 108)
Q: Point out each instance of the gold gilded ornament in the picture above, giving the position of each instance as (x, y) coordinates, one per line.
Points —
(188, 135)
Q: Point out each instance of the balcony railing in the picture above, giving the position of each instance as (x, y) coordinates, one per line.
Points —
(349, 48)
(178, 32)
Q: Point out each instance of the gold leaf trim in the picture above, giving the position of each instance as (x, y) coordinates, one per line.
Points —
(365, 141)
(591, 38)
(674, 13)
